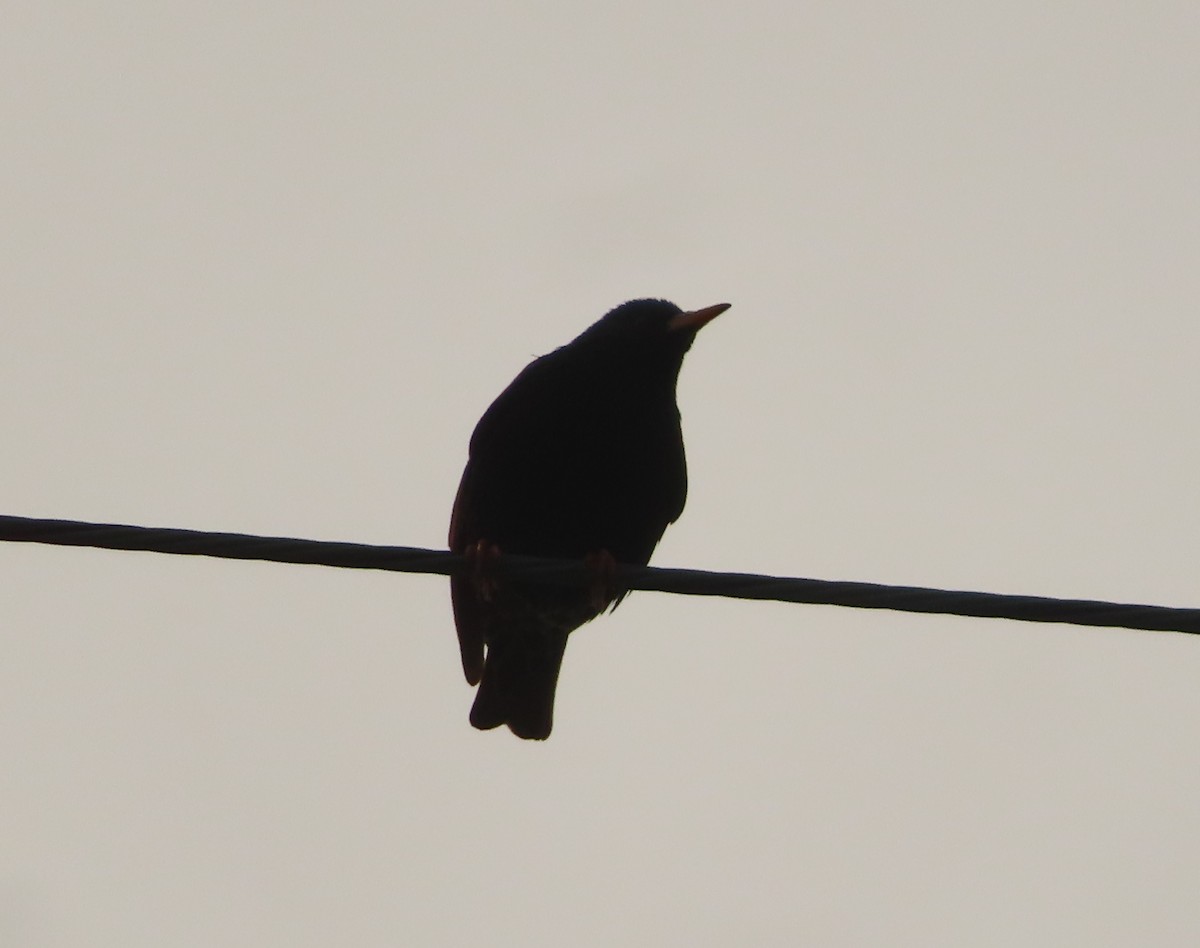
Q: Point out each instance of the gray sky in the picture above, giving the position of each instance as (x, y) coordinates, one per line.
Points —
(263, 268)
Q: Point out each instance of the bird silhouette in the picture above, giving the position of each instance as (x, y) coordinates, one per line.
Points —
(580, 457)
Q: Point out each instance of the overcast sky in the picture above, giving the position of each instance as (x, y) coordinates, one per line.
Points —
(263, 267)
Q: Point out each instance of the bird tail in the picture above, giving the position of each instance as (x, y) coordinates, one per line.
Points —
(520, 675)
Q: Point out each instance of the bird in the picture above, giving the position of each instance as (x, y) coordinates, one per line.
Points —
(580, 457)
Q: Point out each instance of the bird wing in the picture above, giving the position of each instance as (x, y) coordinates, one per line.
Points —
(494, 441)
(470, 613)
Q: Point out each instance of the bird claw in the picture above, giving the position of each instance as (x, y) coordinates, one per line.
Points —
(482, 558)
(602, 579)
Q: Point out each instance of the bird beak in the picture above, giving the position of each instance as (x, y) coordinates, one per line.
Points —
(696, 319)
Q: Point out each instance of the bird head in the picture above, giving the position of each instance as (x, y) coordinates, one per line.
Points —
(651, 329)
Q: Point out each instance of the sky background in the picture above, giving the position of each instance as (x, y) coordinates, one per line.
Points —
(262, 268)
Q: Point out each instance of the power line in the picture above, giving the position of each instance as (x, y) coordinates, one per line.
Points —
(240, 546)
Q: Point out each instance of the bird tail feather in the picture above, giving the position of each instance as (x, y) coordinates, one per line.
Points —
(520, 675)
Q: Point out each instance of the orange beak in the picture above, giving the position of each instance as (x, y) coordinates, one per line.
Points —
(697, 318)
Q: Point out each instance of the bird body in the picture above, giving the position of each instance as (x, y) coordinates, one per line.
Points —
(580, 456)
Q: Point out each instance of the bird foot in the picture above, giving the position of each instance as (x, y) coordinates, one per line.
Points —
(482, 558)
(602, 579)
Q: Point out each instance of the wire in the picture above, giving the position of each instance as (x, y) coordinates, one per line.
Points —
(240, 546)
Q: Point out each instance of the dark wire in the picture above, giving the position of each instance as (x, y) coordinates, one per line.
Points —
(240, 546)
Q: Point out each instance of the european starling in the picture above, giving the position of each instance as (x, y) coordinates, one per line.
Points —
(581, 457)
